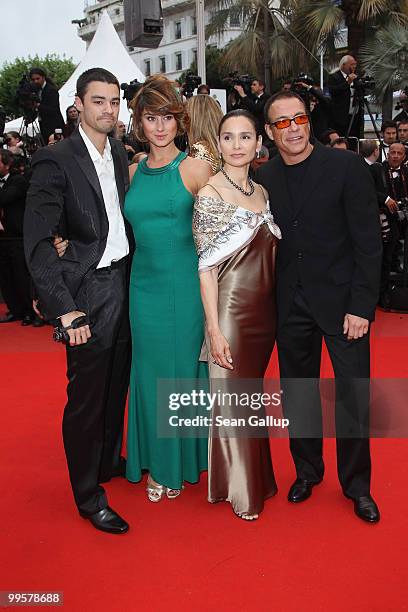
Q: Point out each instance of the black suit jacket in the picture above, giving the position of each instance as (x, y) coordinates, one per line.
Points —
(331, 241)
(256, 106)
(380, 182)
(65, 198)
(49, 112)
(12, 203)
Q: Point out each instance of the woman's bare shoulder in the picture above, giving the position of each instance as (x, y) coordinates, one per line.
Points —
(132, 170)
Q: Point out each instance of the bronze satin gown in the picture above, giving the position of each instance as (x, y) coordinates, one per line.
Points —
(240, 468)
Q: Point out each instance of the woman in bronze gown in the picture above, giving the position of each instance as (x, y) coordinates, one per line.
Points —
(236, 240)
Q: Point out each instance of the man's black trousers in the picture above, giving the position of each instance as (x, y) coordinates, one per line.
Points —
(98, 379)
(299, 347)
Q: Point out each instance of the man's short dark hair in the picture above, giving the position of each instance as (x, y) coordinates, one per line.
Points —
(338, 141)
(6, 157)
(388, 124)
(203, 87)
(325, 136)
(281, 95)
(402, 122)
(94, 74)
(367, 147)
(260, 81)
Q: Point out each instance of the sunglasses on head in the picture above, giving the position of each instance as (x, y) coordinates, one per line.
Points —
(282, 124)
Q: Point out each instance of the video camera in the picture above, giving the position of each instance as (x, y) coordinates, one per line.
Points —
(27, 98)
(364, 86)
(234, 78)
(399, 106)
(130, 89)
(190, 84)
(402, 211)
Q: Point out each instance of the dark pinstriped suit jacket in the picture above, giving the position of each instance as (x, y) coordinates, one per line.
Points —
(65, 198)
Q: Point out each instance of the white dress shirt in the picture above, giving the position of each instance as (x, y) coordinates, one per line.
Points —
(117, 245)
(3, 180)
(352, 91)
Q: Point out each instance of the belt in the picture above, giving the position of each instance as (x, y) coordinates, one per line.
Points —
(114, 264)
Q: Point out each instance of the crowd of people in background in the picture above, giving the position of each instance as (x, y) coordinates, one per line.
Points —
(336, 121)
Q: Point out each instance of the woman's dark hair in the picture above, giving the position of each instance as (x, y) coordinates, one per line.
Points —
(94, 74)
(238, 112)
(67, 111)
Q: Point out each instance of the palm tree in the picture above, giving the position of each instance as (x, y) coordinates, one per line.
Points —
(319, 21)
(386, 57)
(264, 44)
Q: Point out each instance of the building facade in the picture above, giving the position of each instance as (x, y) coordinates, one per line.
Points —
(178, 47)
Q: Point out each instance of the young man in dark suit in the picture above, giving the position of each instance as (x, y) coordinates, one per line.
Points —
(78, 190)
(328, 276)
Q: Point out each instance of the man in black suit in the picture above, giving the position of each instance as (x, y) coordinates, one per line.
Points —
(403, 114)
(255, 103)
(389, 131)
(78, 190)
(49, 112)
(14, 276)
(345, 98)
(328, 276)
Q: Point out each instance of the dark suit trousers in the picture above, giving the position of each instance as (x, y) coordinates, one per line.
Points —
(299, 343)
(98, 375)
(15, 283)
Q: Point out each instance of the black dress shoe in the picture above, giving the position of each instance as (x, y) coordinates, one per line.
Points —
(366, 509)
(27, 320)
(37, 322)
(300, 490)
(107, 520)
(9, 318)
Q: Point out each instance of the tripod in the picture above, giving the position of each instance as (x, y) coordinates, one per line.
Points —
(35, 140)
(358, 108)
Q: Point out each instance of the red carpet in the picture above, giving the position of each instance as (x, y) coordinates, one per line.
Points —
(187, 554)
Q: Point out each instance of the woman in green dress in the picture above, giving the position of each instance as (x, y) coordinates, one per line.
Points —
(166, 314)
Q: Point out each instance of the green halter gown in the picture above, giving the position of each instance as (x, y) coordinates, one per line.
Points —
(166, 318)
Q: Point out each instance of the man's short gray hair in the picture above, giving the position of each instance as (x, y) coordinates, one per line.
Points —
(344, 60)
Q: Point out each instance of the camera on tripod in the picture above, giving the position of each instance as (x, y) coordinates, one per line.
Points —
(402, 211)
(27, 98)
(190, 84)
(302, 78)
(399, 105)
(130, 89)
(364, 86)
(234, 78)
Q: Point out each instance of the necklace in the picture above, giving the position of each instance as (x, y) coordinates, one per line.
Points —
(250, 183)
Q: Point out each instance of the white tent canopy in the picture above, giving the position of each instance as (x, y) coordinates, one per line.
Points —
(105, 51)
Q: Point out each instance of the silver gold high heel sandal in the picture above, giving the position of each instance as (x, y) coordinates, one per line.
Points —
(155, 492)
(172, 493)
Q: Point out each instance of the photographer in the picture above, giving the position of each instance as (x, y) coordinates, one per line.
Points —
(48, 106)
(346, 97)
(318, 104)
(396, 175)
(14, 277)
(253, 100)
(403, 105)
